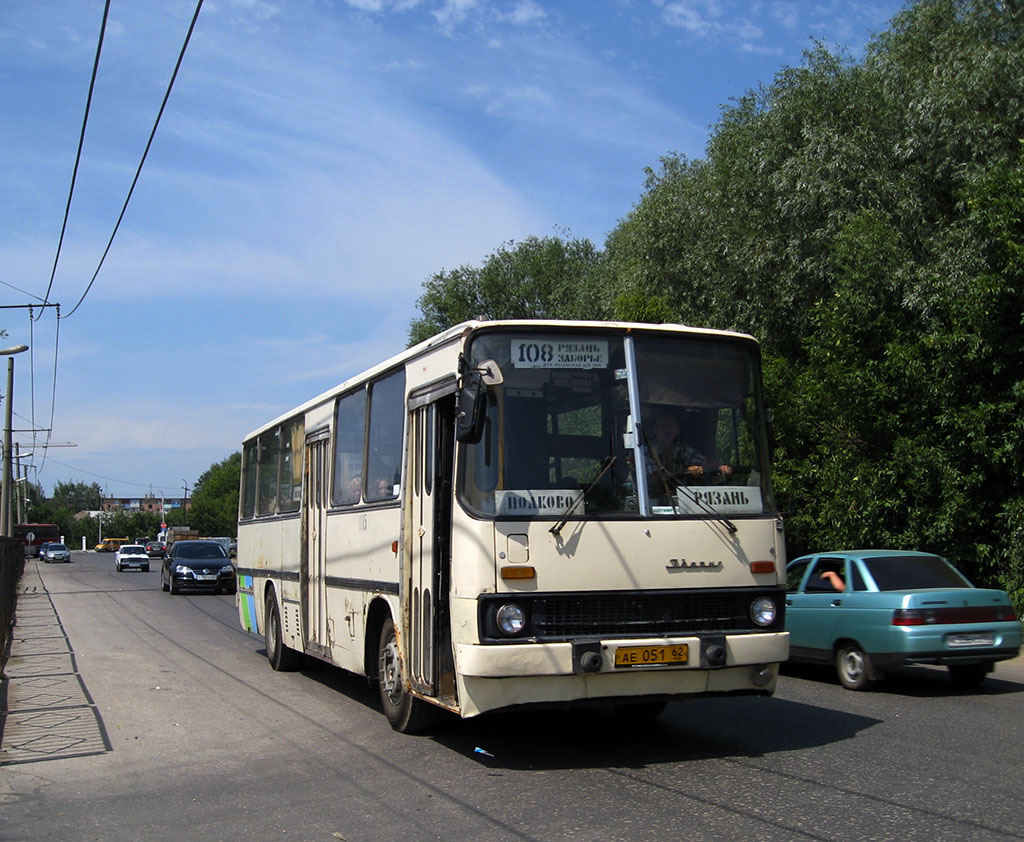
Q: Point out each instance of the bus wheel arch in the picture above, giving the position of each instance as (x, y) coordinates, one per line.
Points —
(406, 713)
(377, 612)
(282, 658)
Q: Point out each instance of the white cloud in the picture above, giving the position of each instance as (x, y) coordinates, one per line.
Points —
(453, 12)
(526, 12)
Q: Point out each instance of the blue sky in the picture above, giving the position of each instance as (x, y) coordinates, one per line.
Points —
(316, 162)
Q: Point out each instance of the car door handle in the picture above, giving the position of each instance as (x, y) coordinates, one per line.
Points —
(789, 602)
(836, 602)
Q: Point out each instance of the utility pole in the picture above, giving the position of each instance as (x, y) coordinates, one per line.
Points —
(18, 491)
(5, 481)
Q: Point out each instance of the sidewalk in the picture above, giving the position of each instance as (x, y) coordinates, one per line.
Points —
(46, 712)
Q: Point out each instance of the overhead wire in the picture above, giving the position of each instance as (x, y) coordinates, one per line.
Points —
(78, 155)
(138, 171)
(64, 226)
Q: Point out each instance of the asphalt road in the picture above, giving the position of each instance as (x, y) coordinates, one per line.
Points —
(196, 738)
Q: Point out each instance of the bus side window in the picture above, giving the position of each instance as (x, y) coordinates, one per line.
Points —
(348, 443)
(384, 437)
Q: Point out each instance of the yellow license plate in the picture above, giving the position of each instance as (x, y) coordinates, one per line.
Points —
(650, 656)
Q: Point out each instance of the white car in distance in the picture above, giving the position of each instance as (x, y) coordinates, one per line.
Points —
(131, 557)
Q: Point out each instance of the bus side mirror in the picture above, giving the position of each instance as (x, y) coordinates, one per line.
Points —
(472, 409)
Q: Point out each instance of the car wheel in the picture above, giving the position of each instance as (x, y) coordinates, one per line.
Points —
(171, 585)
(145, 569)
(854, 667)
(281, 657)
(968, 675)
(163, 584)
(117, 567)
(405, 712)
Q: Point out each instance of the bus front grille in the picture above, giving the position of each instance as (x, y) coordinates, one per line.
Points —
(562, 616)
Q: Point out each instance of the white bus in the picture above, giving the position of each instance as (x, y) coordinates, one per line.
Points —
(465, 523)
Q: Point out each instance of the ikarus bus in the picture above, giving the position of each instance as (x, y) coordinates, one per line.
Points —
(518, 513)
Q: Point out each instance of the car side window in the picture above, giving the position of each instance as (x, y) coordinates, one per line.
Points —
(855, 582)
(794, 573)
(828, 576)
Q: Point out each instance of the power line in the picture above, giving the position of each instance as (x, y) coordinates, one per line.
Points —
(78, 156)
(145, 153)
(114, 479)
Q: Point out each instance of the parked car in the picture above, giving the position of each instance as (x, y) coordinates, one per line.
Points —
(867, 610)
(54, 551)
(197, 565)
(155, 549)
(131, 557)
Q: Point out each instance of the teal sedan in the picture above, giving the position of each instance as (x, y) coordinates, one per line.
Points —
(867, 610)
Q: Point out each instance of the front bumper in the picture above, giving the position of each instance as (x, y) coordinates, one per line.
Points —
(189, 582)
(496, 676)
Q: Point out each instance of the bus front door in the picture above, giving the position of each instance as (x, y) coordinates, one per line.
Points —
(428, 629)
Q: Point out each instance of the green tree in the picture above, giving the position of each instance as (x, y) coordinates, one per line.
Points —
(538, 278)
(864, 220)
(77, 496)
(214, 504)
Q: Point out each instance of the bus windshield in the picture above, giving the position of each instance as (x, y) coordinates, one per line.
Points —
(576, 413)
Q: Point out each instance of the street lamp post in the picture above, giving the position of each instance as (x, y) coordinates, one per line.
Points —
(5, 486)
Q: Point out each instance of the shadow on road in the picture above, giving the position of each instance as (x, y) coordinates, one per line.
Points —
(595, 737)
(923, 682)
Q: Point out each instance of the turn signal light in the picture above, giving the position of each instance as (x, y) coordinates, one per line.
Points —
(520, 571)
(762, 567)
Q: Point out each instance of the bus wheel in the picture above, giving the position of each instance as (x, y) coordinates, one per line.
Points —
(406, 713)
(281, 657)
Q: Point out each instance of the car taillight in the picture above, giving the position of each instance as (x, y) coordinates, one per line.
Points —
(952, 615)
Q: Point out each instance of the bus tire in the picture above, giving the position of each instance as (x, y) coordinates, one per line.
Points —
(405, 712)
(281, 657)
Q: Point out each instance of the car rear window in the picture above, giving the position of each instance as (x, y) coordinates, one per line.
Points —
(907, 573)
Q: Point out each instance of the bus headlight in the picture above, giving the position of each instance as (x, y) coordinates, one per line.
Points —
(762, 611)
(511, 619)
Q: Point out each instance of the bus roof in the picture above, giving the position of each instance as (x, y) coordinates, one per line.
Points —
(464, 328)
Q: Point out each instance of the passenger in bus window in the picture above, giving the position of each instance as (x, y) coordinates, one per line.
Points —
(675, 462)
(352, 490)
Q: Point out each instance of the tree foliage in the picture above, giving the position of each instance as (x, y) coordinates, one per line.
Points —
(77, 496)
(865, 220)
(547, 277)
(214, 506)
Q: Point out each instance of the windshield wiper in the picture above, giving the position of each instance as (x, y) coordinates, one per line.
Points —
(711, 511)
(602, 469)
